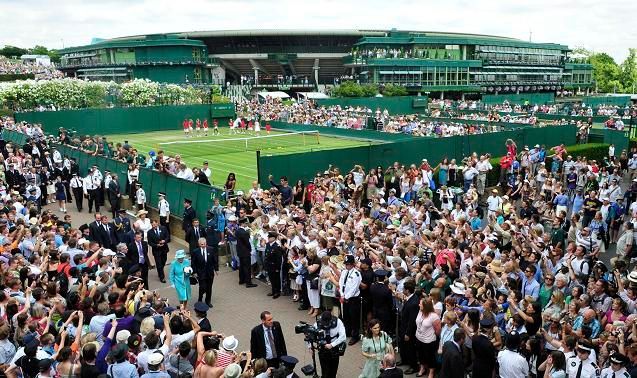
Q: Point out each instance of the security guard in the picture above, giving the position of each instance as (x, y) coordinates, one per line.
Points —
(122, 227)
(98, 181)
(274, 263)
(579, 366)
(617, 368)
(164, 210)
(90, 191)
(76, 188)
(349, 286)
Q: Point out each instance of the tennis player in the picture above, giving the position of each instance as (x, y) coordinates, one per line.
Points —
(186, 128)
(205, 127)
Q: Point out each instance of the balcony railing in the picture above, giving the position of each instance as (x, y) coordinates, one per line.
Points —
(137, 62)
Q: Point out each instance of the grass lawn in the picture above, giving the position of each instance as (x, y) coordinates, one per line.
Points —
(231, 155)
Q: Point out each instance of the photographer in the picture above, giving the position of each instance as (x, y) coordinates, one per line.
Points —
(334, 343)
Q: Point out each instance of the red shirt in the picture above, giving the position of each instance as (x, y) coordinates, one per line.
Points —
(185, 124)
(198, 123)
(205, 123)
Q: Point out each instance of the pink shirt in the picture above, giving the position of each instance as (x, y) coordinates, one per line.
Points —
(425, 332)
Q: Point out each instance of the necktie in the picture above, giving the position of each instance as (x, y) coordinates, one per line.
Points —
(140, 251)
(271, 342)
(205, 256)
(197, 233)
(579, 370)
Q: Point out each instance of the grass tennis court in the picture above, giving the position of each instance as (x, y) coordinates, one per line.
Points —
(228, 153)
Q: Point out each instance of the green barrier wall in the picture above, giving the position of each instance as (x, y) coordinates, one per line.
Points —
(127, 120)
(606, 100)
(608, 136)
(306, 165)
(202, 196)
(394, 105)
(338, 132)
(532, 98)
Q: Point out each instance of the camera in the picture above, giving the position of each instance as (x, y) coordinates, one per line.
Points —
(312, 333)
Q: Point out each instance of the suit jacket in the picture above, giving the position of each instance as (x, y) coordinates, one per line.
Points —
(191, 237)
(154, 239)
(484, 356)
(189, 216)
(205, 325)
(393, 373)
(408, 317)
(98, 234)
(122, 230)
(133, 254)
(205, 270)
(244, 248)
(452, 361)
(113, 190)
(257, 341)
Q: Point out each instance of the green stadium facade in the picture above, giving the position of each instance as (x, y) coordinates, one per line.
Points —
(434, 62)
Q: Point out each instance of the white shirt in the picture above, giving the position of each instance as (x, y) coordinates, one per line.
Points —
(142, 357)
(337, 334)
(484, 166)
(512, 365)
(349, 283)
(164, 208)
(589, 368)
(494, 202)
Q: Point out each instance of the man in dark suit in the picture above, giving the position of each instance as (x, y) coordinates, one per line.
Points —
(114, 194)
(267, 341)
(484, 353)
(389, 368)
(108, 233)
(407, 329)
(193, 234)
(138, 254)
(244, 250)
(452, 358)
(96, 233)
(189, 215)
(205, 264)
(273, 263)
(158, 239)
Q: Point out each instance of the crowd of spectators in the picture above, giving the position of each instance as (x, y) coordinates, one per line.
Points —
(457, 272)
(41, 72)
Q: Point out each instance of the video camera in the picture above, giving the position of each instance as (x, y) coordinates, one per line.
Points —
(312, 333)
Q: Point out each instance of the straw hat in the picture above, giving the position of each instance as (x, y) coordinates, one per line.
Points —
(496, 266)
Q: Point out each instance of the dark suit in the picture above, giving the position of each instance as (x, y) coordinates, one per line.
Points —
(484, 355)
(160, 250)
(122, 230)
(452, 361)
(408, 328)
(243, 253)
(113, 196)
(382, 305)
(394, 373)
(257, 343)
(192, 237)
(133, 257)
(205, 268)
(205, 325)
(189, 216)
(98, 234)
(272, 264)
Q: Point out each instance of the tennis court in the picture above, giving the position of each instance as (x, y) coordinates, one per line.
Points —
(232, 152)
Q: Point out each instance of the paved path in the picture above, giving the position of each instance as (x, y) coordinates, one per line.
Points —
(237, 308)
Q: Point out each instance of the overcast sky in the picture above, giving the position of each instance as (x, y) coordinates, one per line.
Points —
(600, 25)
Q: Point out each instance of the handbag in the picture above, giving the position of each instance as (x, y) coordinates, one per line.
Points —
(194, 280)
(314, 283)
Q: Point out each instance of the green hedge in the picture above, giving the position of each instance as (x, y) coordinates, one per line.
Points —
(14, 77)
(6, 112)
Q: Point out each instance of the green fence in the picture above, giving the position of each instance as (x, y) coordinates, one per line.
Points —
(532, 98)
(306, 165)
(608, 136)
(606, 100)
(202, 196)
(127, 120)
(394, 105)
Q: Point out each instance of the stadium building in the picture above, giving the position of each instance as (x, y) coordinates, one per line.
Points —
(438, 63)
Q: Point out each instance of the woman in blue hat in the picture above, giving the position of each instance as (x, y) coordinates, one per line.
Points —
(179, 276)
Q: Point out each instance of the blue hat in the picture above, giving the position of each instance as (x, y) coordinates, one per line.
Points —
(289, 361)
(381, 273)
(180, 254)
(201, 307)
(487, 322)
(30, 338)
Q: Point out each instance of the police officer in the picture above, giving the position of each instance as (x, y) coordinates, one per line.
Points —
(617, 368)
(78, 192)
(511, 362)
(164, 210)
(90, 191)
(579, 365)
(382, 301)
(349, 285)
(273, 264)
(189, 215)
(335, 336)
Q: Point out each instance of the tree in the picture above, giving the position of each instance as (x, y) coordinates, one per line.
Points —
(12, 51)
(394, 90)
(606, 73)
(628, 76)
(39, 50)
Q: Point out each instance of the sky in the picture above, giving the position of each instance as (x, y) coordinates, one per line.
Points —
(598, 25)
